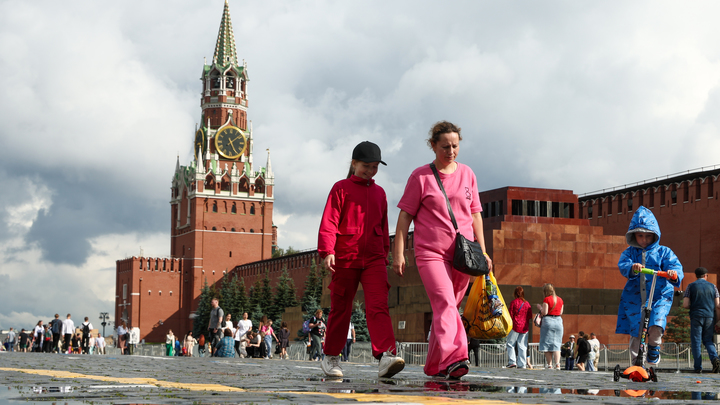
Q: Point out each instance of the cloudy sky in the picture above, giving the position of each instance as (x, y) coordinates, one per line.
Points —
(98, 99)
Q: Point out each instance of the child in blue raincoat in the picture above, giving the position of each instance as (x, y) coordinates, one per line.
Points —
(645, 250)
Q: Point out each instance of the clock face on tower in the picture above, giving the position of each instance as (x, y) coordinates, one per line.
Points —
(199, 141)
(230, 142)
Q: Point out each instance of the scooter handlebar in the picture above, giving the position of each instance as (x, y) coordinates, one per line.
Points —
(663, 274)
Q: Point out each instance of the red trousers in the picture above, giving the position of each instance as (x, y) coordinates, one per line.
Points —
(343, 287)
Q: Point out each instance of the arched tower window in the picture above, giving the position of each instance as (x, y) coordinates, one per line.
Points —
(225, 183)
(243, 186)
(210, 182)
(215, 206)
(259, 186)
(252, 209)
(233, 209)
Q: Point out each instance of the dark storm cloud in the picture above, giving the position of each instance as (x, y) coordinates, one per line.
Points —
(87, 207)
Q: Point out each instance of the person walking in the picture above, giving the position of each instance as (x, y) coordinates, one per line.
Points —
(268, 333)
(11, 339)
(703, 301)
(316, 324)
(189, 343)
(56, 325)
(582, 354)
(133, 338)
(68, 330)
(86, 328)
(594, 353)
(201, 345)
(434, 240)
(551, 331)
(216, 324)
(38, 337)
(354, 243)
(122, 333)
(100, 344)
(170, 343)
(48, 338)
(521, 314)
(568, 351)
(284, 336)
(348, 345)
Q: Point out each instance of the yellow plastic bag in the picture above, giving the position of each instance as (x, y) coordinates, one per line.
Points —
(478, 319)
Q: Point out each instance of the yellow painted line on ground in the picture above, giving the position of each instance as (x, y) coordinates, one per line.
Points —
(121, 380)
(224, 388)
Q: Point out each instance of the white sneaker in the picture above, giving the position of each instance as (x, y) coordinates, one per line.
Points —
(390, 365)
(331, 366)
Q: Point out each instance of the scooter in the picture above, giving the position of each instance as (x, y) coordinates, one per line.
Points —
(637, 372)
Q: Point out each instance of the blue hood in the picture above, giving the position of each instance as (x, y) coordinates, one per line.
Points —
(643, 221)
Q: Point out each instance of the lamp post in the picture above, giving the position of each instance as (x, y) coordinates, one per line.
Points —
(104, 316)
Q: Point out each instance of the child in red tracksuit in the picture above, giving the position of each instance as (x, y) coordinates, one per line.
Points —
(354, 244)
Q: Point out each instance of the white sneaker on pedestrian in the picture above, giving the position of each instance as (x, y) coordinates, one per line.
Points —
(390, 365)
(331, 366)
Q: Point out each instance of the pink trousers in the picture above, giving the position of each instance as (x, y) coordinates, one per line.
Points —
(343, 287)
(445, 288)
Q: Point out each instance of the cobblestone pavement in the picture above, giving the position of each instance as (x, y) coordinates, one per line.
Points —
(178, 380)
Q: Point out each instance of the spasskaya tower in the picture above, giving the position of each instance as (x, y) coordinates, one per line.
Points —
(221, 205)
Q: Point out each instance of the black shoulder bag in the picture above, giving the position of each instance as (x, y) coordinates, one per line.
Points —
(469, 257)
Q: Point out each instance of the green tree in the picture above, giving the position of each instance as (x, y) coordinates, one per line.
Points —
(229, 296)
(313, 285)
(284, 296)
(280, 252)
(309, 299)
(202, 314)
(360, 322)
(255, 316)
(266, 294)
(678, 329)
(254, 296)
(242, 298)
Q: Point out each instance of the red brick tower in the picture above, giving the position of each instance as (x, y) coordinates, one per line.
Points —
(221, 206)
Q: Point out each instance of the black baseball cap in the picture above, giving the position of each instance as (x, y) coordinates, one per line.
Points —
(367, 152)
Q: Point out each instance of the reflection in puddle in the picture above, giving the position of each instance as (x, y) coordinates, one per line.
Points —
(418, 386)
(46, 390)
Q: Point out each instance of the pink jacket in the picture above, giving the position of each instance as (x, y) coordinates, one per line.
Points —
(354, 225)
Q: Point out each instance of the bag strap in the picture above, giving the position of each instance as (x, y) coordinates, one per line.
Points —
(447, 200)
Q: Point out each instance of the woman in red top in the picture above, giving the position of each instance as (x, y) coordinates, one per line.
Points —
(354, 243)
(551, 331)
(521, 313)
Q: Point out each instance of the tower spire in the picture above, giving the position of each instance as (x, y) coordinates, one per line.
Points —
(225, 53)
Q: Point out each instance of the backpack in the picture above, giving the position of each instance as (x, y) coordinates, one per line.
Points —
(306, 327)
(584, 345)
(86, 329)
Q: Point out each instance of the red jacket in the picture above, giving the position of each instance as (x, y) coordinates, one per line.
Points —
(354, 225)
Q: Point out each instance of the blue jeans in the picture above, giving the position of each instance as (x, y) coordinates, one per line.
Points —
(268, 345)
(701, 333)
(569, 363)
(521, 340)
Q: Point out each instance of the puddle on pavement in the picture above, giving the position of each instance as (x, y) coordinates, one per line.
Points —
(418, 387)
(44, 395)
(50, 394)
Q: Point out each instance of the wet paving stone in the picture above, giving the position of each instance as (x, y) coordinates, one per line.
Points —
(47, 378)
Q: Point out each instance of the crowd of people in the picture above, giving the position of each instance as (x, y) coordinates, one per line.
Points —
(57, 336)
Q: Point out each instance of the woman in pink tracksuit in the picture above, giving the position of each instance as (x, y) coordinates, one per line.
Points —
(354, 243)
(424, 204)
